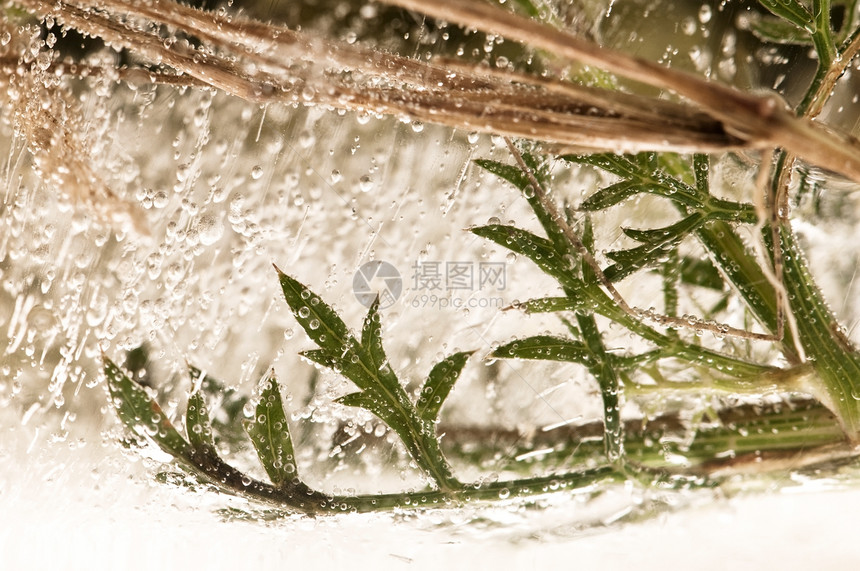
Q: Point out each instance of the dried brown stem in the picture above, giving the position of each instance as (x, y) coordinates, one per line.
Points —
(761, 122)
(265, 63)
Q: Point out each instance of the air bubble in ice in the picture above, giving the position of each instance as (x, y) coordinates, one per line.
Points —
(365, 183)
(209, 230)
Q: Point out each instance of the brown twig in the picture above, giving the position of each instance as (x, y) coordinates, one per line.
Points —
(761, 122)
(265, 63)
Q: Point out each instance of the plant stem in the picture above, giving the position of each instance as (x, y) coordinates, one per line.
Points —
(602, 368)
(833, 356)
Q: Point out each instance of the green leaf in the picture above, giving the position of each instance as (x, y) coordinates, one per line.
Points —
(228, 405)
(394, 418)
(198, 427)
(701, 272)
(371, 335)
(141, 414)
(572, 328)
(777, 31)
(602, 366)
(270, 434)
(364, 364)
(528, 8)
(619, 165)
(660, 243)
(637, 170)
(322, 357)
(546, 348)
(510, 173)
(357, 399)
(522, 181)
(320, 322)
(791, 11)
(537, 249)
(667, 234)
(439, 383)
(613, 194)
(628, 262)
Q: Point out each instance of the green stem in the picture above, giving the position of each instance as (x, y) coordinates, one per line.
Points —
(825, 48)
(670, 345)
(671, 272)
(603, 369)
(834, 360)
(833, 357)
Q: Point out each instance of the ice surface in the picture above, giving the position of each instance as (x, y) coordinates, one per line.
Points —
(205, 193)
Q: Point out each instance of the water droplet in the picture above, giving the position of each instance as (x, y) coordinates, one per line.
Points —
(159, 199)
(365, 183)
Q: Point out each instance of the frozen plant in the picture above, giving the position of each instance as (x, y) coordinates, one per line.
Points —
(766, 330)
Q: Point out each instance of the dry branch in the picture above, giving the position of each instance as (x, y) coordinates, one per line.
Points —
(266, 63)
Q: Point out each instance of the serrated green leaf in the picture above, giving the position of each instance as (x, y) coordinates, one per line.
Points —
(321, 323)
(198, 427)
(612, 195)
(439, 383)
(364, 364)
(270, 434)
(546, 348)
(791, 11)
(141, 414)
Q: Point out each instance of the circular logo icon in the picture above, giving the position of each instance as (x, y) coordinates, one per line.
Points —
(377, 278)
